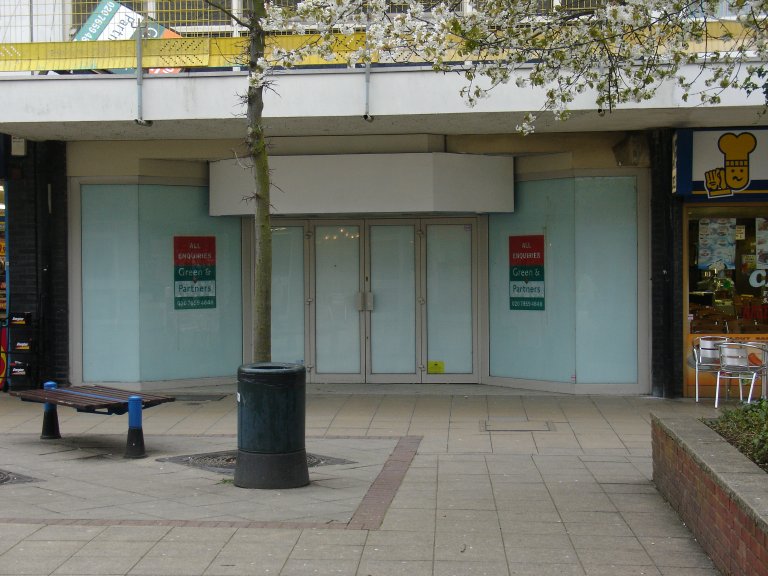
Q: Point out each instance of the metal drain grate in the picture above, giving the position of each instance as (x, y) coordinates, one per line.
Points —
(515, 425)
(225, 462)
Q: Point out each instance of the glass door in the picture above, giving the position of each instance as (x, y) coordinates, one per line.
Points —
(392, 301)
(449, 304)
(338, 303)
(391, 314)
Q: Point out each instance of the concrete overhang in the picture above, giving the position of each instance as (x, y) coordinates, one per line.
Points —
(209, 105)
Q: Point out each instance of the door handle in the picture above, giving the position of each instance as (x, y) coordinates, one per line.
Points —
(364, 301)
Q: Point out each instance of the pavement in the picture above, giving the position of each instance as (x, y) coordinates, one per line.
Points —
(415, 480)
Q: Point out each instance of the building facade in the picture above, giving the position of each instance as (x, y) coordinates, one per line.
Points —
(415, 239)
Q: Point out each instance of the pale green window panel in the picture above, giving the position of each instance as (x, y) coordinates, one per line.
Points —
(288, 301)
(131, 331)
(588, 330)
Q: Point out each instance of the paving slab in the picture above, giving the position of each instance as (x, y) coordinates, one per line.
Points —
(439, 480)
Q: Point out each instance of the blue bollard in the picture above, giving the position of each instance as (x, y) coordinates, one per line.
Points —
(50, 417)
(135, 445)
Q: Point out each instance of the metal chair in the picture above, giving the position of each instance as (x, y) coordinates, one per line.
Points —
(741, 360)
(706, 353)
(760, 357)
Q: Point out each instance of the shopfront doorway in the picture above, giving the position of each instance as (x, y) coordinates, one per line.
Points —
(385, 300)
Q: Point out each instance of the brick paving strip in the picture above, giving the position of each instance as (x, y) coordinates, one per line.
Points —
(368, 516)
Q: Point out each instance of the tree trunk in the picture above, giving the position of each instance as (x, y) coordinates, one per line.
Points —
(262, 274)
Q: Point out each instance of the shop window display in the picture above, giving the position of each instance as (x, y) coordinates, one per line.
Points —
(727, 273)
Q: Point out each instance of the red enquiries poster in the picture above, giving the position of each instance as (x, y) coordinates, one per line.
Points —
(526, 272)
(194, 272)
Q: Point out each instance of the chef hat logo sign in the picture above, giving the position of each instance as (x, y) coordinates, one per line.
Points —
(734, 175)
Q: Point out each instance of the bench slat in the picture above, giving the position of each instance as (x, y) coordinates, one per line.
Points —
(147, 399)
(90, 398)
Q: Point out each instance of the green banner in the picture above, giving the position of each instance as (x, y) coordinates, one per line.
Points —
(194, 273)
(194, 303)
(526, 288)
(526, 273)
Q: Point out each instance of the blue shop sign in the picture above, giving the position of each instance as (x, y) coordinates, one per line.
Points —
(721, 165)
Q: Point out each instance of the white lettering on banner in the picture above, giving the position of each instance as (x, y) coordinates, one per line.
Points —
(195, 303)
(526, 255)
(95, 26)
(530, 289)
(758, 278)
(186, 289)
(526, 272)
(194, 256)
(194, 273)
(538, 304)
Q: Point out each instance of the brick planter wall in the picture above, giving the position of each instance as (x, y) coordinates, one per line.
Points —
(720, 494)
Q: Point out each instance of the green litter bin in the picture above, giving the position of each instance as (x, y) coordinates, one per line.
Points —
(271, 413)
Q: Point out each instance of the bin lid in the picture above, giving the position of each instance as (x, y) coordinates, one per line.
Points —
(272, 373)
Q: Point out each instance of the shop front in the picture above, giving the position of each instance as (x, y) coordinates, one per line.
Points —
(387, 268)
(723, 181)
(435, 268)
(376, 261)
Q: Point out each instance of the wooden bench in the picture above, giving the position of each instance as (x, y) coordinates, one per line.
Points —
(95, 400)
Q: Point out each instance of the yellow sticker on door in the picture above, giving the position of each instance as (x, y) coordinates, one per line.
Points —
(436, 367)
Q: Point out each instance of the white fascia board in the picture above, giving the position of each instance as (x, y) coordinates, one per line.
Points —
(298, 94)
(369, 183)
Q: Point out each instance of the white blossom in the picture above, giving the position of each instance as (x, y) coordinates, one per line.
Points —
(619, 53)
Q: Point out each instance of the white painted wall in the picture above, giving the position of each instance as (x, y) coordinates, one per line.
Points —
(370, 183)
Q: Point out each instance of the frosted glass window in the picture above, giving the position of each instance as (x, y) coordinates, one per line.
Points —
(588, 331)
(337, 285)
(606, 280)
(393, 284)
(110, 279)
(187, 343)
(288, 301)
(449, 297)
(535, 344)
(131, 331)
